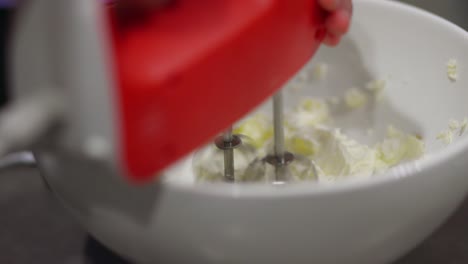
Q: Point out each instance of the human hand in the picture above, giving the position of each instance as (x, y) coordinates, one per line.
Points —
(338, 21)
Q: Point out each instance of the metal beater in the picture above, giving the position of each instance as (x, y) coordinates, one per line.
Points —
(280, 159)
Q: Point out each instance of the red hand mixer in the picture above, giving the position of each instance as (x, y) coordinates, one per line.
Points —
(143, 91)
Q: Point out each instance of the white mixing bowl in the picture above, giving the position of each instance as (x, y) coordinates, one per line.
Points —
(356, 221)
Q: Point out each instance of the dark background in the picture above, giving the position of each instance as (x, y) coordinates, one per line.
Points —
(5, 15)
(34, 228)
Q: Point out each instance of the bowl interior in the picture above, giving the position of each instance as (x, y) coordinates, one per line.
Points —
(407, 48)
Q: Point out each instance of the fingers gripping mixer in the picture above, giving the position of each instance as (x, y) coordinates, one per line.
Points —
(140, 92)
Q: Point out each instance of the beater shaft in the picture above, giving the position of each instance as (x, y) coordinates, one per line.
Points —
(279, 148)
(228, 156)
(278, 125)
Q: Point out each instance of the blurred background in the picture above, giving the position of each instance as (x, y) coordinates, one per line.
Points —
(5, 13)
(453, 10)
(35, 229)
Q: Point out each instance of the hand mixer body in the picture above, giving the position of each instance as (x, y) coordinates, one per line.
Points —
(192, 70)
(178, 76)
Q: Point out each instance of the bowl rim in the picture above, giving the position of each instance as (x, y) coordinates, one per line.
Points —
(397, 173)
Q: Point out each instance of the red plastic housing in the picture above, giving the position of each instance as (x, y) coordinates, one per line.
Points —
(190, 70)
